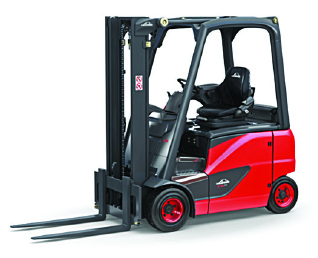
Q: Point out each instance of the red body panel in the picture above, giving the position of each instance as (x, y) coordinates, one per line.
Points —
(268, 162)
(236, 202)
(202, 207)
(254, 150)
(284, 153)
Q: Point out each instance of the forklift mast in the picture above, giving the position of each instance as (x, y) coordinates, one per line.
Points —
(116, 28)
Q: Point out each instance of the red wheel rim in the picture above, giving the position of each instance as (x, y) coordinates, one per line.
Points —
(284, 195)
(172, 210)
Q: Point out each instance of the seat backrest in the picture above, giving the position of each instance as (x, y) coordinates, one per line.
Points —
(236, 86)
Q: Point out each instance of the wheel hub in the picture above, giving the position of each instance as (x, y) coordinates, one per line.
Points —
(168, 208)
(284, 195)
(172, 210)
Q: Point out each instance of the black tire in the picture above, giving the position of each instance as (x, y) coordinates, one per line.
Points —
(168, 200)
(283, 196)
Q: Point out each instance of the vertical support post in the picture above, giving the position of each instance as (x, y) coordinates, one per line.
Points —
(139, 107)
(126, 202)
(187, 94)
(227, 48)
(280, 86)
(113, 97)
(102, 193)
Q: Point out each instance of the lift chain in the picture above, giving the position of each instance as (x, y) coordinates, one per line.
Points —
(123, 123)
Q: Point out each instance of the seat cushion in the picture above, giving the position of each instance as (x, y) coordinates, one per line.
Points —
(216, 112)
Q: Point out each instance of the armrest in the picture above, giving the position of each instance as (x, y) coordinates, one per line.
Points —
(207, 87)
(245, 108)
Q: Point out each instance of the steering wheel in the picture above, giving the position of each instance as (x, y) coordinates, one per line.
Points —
(183, 82)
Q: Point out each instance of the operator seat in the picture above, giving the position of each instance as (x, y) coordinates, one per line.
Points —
(229, 103)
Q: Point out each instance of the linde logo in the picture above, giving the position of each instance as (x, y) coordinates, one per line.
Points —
(236, 75)
(147, 24)
(222, 183)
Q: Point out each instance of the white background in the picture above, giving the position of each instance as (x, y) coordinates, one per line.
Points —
(52, 131)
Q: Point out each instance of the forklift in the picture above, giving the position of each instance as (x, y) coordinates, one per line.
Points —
(162, 166)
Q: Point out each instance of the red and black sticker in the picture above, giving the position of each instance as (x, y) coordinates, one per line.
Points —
(139, 82)
(222, 183)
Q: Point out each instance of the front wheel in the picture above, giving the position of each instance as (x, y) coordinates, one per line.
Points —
(168, 210)
(283, 196)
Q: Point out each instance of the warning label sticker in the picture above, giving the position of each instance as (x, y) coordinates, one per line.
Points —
(139, 82)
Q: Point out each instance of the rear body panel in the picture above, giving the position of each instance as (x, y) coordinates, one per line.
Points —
(247, 187)
(284, 153)
(242, 168)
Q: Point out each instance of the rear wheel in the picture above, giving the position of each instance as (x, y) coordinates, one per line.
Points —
(168, 210)
(283, 196)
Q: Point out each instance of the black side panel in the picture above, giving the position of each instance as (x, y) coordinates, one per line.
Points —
(224, 182)
(197, 182)
(199, 189)
(219, 140)
(160, 136)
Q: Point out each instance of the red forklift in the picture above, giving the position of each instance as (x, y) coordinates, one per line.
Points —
(162, 166)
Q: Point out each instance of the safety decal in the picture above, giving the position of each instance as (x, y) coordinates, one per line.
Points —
(139, 82)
